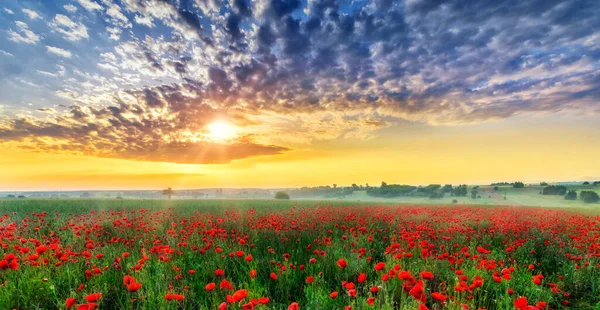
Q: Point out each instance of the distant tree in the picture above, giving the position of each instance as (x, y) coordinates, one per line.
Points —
(474, 194)
(355, 187)
(543, 184)
(495, 188)
(168, 192)
(589, 196)
(518, 185)
(383, 184)
(21, 196)
(334, 185)
(438, 194)
(554, 190)
(454, 201)
(596, 183)
(586, 183)
(447, 188)
(460, 191)
(571, 195)
(10, 196)
(282, 195)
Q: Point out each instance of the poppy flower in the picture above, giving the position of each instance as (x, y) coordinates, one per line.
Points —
(210, 286)
(521, 302)
(294, 306)
(178, 297)
(333, 295)
(362, 277)
(93, 297)
(342, 263)
(379, 266)
(70, 302)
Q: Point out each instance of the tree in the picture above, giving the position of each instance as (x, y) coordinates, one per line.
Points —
(474, 194)
(168, 192)
(586, 183)
(447, 188)
(589, 196)
(543, 184)
(282, 195)
(554, 190)
(518, 185)
(460, 191)
(571, 195)
(495, 188)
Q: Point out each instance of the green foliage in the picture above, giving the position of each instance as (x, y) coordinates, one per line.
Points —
(554, 190)
(518, 185)
(460, 191)
(474, 193)
(282, 195)
(571, 195)
(392, 190)
(589, 196)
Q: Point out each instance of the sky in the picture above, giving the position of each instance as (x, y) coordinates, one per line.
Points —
(135, 94)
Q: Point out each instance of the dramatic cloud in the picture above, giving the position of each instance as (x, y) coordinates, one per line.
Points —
(323, 69)
(58, 51)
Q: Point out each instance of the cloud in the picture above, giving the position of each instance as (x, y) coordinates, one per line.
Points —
(71, 30)
(9, 11)
(90, 5)
(317, 67)
(58, 51)
(24, 34)
(31, 14)
(71, 8)
(144, 20)
(5, 53)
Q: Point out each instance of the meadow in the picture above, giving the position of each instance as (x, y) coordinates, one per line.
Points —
(267, 254)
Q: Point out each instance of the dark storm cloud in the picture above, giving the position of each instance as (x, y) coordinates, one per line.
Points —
(441, 62)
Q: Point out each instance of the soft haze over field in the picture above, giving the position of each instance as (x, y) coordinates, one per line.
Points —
(150, 93)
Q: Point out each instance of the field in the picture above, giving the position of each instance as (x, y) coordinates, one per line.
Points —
(265, 254)
(528, 196)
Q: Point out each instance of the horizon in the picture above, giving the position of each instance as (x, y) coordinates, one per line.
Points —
(128, 94)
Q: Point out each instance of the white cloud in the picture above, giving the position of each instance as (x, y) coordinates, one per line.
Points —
(31, 14)
(46, 73)
(71, 8)
(5, 53)
(72, 30)
(58, 51)
(89, 5)
(25, 35)
(9, 11)
(144, 20)
(115, 12)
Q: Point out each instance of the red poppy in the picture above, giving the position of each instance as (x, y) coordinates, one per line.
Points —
(70, 302)
(93, 297)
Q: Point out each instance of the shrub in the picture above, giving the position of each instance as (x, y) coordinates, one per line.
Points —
(454, 201)
(571, 195)
(282, 195)
(589, 196)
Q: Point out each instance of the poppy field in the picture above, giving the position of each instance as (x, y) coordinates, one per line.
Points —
(73, 254)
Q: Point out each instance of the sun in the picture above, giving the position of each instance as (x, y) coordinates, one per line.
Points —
(221, 130)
